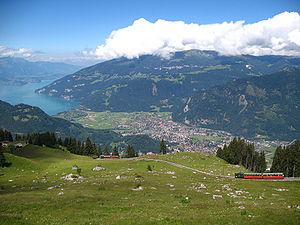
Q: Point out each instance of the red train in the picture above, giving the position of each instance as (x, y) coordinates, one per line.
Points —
(259, 175)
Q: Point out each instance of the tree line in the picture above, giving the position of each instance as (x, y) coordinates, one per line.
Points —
(239, 152)
(287, 160)
(73, 145)
(5, 135)
(3, 161)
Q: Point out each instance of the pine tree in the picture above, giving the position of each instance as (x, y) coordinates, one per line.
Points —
(106, 150)
(115, 151)
(287, 160)
(239, 152)
(130, 152)
(279, 160)
(99, 151)
(163, 147)
(88, 147)
(3, 161)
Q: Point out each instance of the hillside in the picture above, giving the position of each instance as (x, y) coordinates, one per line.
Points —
(19, 69)
(127, 193)
(267, 106)
(27, 119)
(152, 83)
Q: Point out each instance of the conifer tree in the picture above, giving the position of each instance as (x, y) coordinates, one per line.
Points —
(130, 152)
(239, 152)
(99, 151)
(3, 161)
(115, 151)
(106, 150)
(88, 147)
(163, 147)
(287, 160)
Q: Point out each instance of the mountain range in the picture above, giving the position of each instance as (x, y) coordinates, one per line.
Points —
(253, 96)
(21, 70)
(152, 83)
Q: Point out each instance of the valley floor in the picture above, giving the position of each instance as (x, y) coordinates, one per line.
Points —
(159, 125)
(127, 192)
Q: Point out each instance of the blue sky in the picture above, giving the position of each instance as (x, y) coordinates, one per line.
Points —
(58, 26)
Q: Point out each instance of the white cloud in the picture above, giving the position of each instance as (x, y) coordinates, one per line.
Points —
(35, 55)
(18, 52)
(278, 35)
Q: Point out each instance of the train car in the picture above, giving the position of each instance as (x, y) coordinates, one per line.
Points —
(259, 175)
(253, 176)
(273, 176)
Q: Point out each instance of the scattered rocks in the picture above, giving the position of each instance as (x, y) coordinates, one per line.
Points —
(55, 186)
(232, 195)
(140, 188)
(241, 192)
(294, 206)
(73, 177)
(217, 197)
(199, 186)
(75, 167)
(98, 168)
(170, 172)
(281, 189)
(226, 187)
(61, 193)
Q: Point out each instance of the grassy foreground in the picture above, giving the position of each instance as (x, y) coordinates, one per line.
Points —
(32, 192)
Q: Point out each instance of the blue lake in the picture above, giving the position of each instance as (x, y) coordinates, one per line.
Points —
(25, 94)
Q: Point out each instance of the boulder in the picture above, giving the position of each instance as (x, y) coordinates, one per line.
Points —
(98, 168)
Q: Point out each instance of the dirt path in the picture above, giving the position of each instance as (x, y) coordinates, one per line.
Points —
(189, 168)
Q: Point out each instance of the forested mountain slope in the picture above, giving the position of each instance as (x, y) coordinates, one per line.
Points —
(27, 119)
(265, 105)
(152, 83)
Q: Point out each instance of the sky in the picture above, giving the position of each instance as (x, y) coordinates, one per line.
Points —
(78, 31)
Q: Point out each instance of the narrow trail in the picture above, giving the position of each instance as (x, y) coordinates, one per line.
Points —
(189, 168)
(215, 175)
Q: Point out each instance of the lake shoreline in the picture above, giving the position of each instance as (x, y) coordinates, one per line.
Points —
(17, 94)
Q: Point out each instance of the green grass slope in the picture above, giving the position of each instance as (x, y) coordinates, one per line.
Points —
(168, 194)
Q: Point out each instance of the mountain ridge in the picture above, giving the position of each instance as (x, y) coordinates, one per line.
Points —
(24, 119)
(152, 83)
(20, 70)
(259, 106)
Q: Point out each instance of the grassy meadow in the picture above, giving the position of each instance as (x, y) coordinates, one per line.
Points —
(109, 120)
(127, 192)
